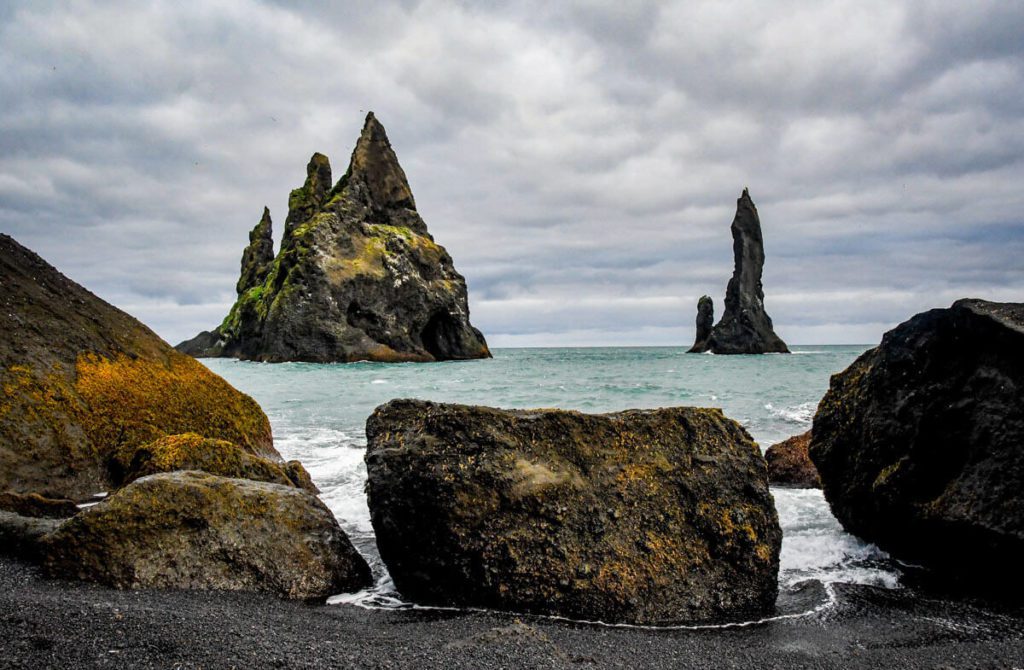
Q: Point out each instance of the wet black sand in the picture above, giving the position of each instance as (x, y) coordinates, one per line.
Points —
(54, 624)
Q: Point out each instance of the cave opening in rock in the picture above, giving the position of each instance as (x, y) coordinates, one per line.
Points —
(440, 336)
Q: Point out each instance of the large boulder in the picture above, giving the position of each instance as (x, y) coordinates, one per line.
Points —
(920, 442)
(357, 277)
(644, 516)
(790, 465)
(82, 379)
(193, 530)
(745, 327)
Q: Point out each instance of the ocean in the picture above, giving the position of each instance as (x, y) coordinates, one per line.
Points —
(318, 413)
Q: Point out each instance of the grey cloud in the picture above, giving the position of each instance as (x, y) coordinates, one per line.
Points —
(579, 160)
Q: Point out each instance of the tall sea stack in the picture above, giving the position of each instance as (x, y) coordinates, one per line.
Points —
(357, 277)
(745, 327)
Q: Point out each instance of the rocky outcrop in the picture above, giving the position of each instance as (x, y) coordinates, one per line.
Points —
(37, 506)
(918, 442)
(745, 327)
(705, 324)
(258, 257)
(195, 452)
(82, 379)
(20, 536)
(193, 530)
(357, 277)
(790, 465)
(653, 516)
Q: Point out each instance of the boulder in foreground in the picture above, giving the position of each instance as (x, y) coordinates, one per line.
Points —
(644, 516)
(920, 442)
(82, 379)
(790, 465)
(193, 530)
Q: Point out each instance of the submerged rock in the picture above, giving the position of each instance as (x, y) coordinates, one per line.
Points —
(644, 516)
(790, 465)
(82, 379)
(919, 442)
(358, 277)
(745, 327)
(193, 530)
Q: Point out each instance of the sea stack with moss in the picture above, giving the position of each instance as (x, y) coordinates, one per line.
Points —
(357, 277)
(745, 327)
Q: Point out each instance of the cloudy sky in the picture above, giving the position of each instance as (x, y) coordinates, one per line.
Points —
(580, 164)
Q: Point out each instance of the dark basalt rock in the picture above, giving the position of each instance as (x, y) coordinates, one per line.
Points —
(705, 323)
(82, 379)
(745, 327)
(358, 277)
(20, 536)
(919, 442)
(789, 464)
(193, 530)
(644, 516)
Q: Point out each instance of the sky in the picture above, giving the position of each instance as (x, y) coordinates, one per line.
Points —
(580, 162)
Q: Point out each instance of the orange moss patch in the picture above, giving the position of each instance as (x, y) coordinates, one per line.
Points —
(190, 451)
(133, 401)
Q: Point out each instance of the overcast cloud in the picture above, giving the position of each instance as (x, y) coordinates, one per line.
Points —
(581, 165)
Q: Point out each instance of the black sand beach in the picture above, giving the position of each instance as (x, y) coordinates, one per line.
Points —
(57, 624)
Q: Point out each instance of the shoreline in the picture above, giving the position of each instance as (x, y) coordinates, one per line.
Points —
(54, 624)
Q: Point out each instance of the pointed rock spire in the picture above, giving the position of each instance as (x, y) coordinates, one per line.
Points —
(374, 169)
(306, 200)
(258, 256)
(745, 327)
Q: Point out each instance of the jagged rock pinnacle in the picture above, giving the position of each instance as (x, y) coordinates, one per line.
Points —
(258, 257)
(745, 327)
(307, 199)
(374, 169)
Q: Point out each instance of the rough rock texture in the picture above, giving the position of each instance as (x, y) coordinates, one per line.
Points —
(789, 464)
(198, 531)
(299, 476)
(82, 378)
(258, 257)
(35, 505)
(195, 452)
(358, 277)
(652, 516)
(919, 441)
(745, 327)
(705, 323)
(20, 535)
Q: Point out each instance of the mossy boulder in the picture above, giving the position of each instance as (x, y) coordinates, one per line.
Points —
(920, 443)
(194, 530)
(643, 516)
(82, 379)
(790, 465)
(357, 277)
(195, 452)
(37, 506)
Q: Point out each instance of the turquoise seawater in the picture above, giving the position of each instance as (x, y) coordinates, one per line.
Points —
(318, 413)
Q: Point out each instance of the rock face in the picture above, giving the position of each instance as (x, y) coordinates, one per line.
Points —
(82, 379)
(36, 506)
(790, 465)
(919, 442)
(654, 516)
(358, 277)
(745, 327)
(194, 530)
(705, 323)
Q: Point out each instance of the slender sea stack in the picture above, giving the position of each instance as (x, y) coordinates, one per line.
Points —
(745, 327)
(358, 277)
(705, 322)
